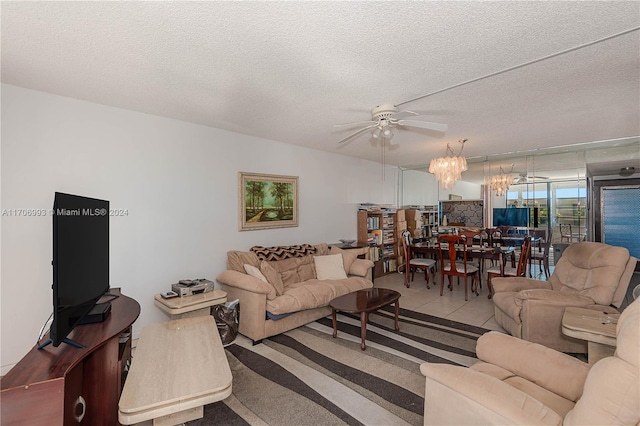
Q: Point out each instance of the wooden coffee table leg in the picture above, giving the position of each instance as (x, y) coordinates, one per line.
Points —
(363, 329)
(397, 312)
(335, 324)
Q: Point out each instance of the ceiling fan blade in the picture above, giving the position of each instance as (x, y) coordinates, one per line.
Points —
(403, 114)
(423, 124)
(359, 132)
(356, 123)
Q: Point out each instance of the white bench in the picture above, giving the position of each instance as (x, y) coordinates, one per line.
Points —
(178, 367)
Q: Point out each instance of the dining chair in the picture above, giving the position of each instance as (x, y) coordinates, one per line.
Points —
(538, 239)
(542, 256)
(565, 232)
(502, 270)
(452, 247)
(494, 237)
(415, 263)
(471, 237)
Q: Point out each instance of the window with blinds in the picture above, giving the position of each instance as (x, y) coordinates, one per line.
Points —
(620, 226)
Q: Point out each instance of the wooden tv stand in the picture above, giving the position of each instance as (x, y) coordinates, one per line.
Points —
(55, 386)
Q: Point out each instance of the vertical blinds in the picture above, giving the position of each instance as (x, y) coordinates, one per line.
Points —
(621, 217)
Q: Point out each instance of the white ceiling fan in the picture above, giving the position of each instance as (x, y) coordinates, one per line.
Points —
(386, 117)
(525, 178)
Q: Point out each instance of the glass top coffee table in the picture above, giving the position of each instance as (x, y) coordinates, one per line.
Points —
(363, 302)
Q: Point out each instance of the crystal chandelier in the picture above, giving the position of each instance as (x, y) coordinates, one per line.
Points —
(449, 169)
(501, 182)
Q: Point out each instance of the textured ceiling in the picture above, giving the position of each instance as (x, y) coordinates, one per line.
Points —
(288, 71)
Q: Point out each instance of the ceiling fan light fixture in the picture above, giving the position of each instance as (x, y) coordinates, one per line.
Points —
(387, 133)
(449, 169)
(376, 133)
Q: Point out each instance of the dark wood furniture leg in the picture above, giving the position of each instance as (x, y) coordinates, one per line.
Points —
(335, 323)
(364, 317)
(397, 311)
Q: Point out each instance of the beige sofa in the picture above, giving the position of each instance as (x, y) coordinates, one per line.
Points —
(519, 382)
(287, 292)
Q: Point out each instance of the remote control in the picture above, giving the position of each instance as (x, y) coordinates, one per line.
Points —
(169, 294)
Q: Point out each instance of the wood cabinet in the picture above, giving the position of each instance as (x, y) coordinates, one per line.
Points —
(379, 230)
(69, 385)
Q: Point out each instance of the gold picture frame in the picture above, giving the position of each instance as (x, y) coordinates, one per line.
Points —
(267, 201)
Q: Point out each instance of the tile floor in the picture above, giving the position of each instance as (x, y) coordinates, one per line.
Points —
(478, 310)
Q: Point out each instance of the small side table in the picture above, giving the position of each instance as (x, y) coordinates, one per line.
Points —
(598, 328)
(190, 306)
(169, 382)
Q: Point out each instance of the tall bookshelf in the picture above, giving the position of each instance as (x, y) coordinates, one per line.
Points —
(378, 230)
(422, 221)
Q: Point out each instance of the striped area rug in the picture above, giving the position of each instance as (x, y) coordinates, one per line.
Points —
(306, 377)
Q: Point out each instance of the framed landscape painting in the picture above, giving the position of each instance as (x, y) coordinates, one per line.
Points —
(267, 201)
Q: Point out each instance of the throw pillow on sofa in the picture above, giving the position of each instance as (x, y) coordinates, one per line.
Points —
(330, 267)
(255, 272)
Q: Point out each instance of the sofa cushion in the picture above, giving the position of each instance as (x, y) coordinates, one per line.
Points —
(314, 294)
(348, 257)
(556, 402)
(294, 270)
(590, 269)
(283, 252)
(255, 272)
(237, 259)
(272, 276)
(330, 267)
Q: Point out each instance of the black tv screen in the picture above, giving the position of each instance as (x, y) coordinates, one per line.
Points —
(80, 260)
(512, 216)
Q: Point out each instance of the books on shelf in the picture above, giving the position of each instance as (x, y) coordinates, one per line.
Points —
(371, 207)
(389, 265)
(374, 237)
(373, 222)
(374, 254)
(388, 250)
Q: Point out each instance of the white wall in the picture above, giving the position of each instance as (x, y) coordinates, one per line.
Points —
(468, 191)
(418, 189)
(179, 183)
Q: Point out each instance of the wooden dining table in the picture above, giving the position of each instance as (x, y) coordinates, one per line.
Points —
(500, 253)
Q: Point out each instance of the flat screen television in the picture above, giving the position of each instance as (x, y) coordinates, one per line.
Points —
(80, 261)
(511, 216)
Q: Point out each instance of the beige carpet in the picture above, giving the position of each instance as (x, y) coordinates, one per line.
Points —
(306, 377)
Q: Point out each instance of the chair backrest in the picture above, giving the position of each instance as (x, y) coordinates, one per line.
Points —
(469, 236)
(611, 394)
(542, 235)
(494, 236)
(455, 246)
(521, 270)
(547, 244)
(565, 229)
(593, 270)
(406, 242)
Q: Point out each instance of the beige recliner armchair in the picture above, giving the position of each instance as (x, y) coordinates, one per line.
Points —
(519, 382)
(589, 275)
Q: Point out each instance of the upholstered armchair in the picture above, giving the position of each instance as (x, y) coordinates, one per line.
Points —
(519, 382)
(588, 275)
